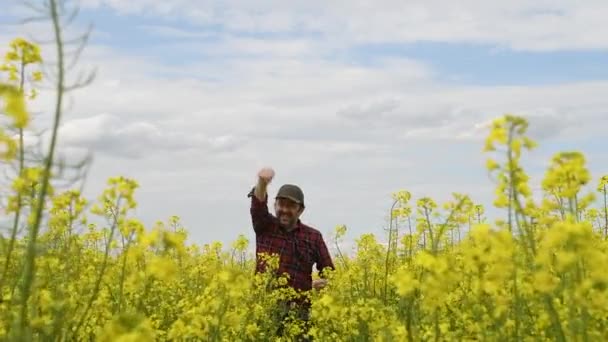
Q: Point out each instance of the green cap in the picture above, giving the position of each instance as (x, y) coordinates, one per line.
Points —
(292, 192)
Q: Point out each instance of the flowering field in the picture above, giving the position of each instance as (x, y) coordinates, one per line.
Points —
(449, 274)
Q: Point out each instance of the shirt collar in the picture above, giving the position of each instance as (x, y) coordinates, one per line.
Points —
(297, 226)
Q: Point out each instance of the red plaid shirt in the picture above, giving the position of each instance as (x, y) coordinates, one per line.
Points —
(299, 249)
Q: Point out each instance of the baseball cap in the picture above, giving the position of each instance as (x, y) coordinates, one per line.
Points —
(292, 192)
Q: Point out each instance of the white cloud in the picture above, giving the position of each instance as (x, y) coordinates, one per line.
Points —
(461, 111)
(172, 32)
(521, 25)
(111, 135)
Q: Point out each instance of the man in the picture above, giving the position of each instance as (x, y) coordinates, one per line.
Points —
(298, 245)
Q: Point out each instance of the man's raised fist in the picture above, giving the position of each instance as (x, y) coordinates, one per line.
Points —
(266, 175)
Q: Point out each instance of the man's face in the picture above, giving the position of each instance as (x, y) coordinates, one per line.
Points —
(287, 211)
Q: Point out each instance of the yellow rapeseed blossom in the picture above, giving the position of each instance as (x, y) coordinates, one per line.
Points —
(13, 105)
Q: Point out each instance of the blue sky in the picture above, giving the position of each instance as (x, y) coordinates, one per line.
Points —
(487, 65)
(193, 97)
(460, 63)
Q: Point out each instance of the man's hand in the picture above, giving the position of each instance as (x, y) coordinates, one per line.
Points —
(318, 284)
(265, 176)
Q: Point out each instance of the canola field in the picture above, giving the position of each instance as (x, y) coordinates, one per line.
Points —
(449, 275)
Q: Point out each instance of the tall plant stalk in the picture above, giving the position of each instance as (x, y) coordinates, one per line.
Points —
(30, 260)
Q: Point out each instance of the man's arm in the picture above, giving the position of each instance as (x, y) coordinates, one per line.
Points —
(324, 261)
(261, 218)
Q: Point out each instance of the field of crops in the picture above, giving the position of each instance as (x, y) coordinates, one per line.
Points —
(449, 275)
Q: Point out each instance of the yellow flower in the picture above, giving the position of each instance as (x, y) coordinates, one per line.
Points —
(14, 105)
(162, 268)
(37, 76)
(492, 165)
(545, 282)
(404, 282)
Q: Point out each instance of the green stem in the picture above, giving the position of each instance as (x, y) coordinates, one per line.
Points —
(408, 321)
(428, 223)
(436, 321)
(30, 264)
(557, 325)
(409, 223)
(15, 228)
(511, 178)
(340, 253)
(517, 303)
(101, 272)
(571, 207)
(123, 272)
(584, 322)
(523, 229)
(444, 226)
(388, 250)
(605, 211)
(561, 206)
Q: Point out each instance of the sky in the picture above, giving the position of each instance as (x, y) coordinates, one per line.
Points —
(351, 100)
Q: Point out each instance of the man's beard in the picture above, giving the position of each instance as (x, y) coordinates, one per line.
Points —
(286, 220)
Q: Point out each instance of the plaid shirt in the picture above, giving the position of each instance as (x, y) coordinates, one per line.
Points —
(299, 249)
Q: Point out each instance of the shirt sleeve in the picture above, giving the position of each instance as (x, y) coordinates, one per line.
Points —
(261, 219)
(324, 261)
